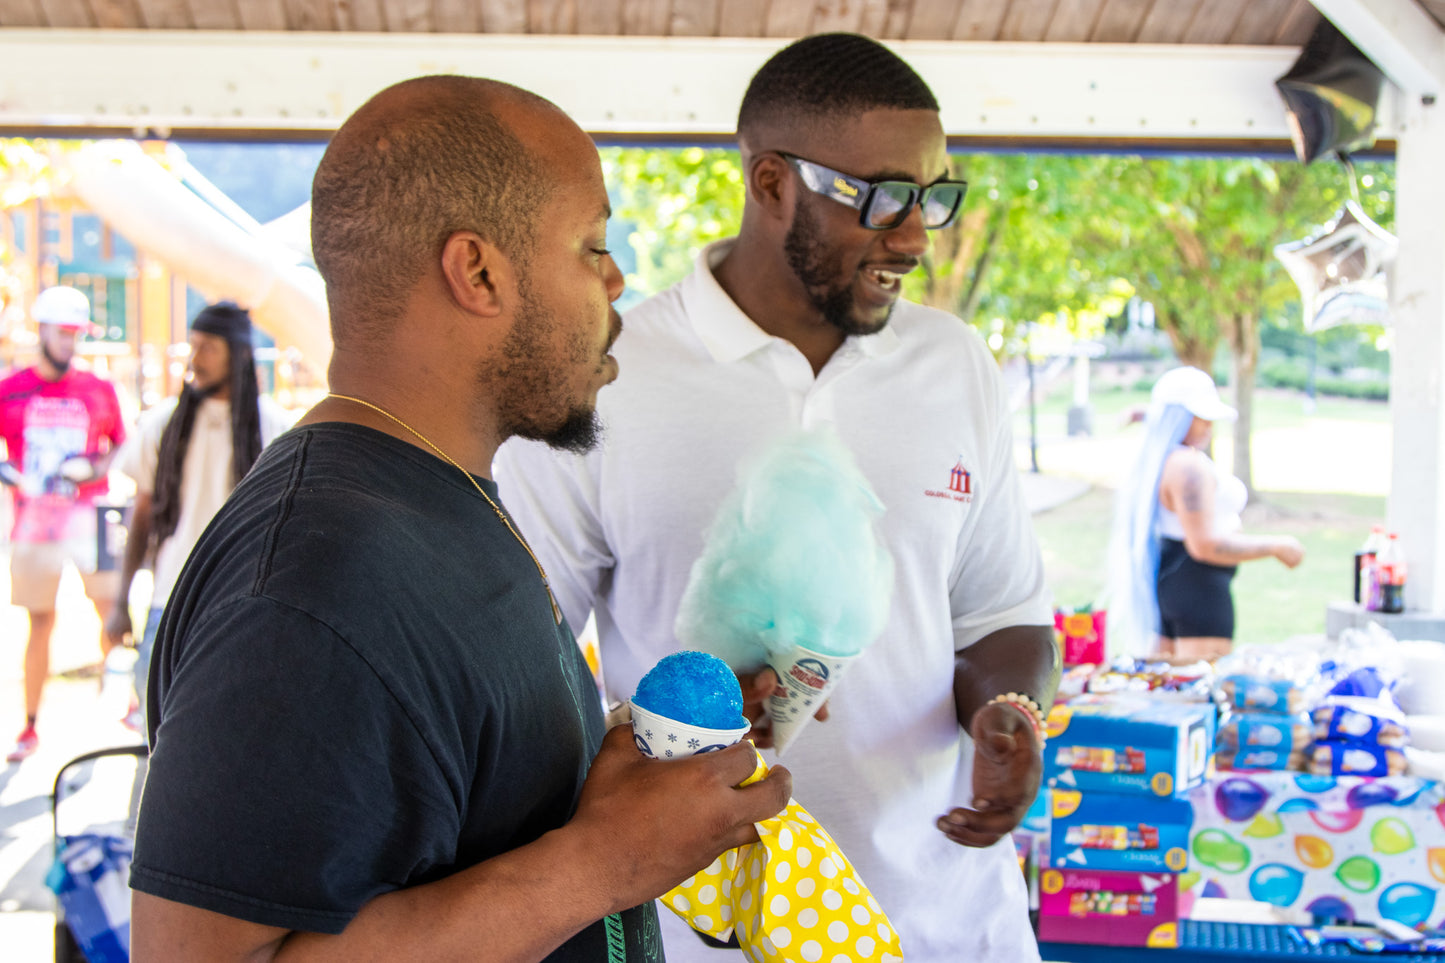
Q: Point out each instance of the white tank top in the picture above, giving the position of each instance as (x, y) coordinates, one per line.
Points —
(1230, 496)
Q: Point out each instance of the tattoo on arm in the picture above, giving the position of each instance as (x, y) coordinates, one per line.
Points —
(1192, 492)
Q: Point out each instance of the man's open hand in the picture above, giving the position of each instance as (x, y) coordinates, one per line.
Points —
(1007, 767)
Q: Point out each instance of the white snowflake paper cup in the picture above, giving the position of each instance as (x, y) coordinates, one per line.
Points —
(663, 738)
(807, 678)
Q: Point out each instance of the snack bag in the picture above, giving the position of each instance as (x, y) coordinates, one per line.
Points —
(792, 896)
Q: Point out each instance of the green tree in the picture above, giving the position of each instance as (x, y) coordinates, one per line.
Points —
(678, 201)
(1196, 237)
(1016, 255)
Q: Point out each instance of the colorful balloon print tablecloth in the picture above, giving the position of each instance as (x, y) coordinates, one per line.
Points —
(1349, 847)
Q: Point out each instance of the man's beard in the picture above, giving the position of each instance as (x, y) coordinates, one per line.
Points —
(529, 389)
(808, 256)
(56, 363)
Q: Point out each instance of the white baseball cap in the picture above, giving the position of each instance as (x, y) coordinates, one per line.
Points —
(64, 306)
(1195, 391)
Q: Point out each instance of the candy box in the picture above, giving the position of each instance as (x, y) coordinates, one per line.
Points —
(1080, 636)
(1096, 830)
(1113, 909)
(1128, 746)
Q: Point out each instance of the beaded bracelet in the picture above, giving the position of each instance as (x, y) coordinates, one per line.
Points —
(1029, 708)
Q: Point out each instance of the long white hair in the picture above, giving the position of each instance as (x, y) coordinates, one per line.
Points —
(1134, 542)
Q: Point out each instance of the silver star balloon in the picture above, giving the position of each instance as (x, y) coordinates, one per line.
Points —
(1342, 271)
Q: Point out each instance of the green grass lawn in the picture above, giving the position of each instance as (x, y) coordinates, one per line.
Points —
(1320, 476)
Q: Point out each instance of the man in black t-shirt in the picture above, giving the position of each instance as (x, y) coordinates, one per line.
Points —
(372, 734)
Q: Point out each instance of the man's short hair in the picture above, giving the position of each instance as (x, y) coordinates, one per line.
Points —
(396, 182)
(830, 76)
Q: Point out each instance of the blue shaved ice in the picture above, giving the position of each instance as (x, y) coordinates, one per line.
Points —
(793, 558)
(693, 687)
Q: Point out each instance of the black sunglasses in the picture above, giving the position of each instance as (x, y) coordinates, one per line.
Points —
(882, 205)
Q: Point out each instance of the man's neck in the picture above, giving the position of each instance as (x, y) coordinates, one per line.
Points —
(447, 425)
(771, 295)
(49, 371)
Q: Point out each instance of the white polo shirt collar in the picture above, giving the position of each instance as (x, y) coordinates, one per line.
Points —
(729, 334)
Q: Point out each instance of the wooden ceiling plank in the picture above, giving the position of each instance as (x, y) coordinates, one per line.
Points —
(1168, 20)
(644, 18)
(1296, 26)
(115, 14)
(21, 13)
(1119, 21)
(404, 16)
(933, 19)
(979, 20)
(1259, 21)
(599, 18)
(211, 14)
(369, 16)
(1216, 21)
(503, 16)
(1074, 21)
(551, 16)
(310, 15)
(833, 16)
(873, 17)
(896, 15)
(741, 18)
(694, 18)
(788, 18)
(1436, 9)
(262, 14)
(67, 13)
(166, 14)
(456, 16)
(1027, 20)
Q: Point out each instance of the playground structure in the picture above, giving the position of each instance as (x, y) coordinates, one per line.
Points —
(161, 228)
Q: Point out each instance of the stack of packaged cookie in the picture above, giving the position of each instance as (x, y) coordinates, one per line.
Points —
(1264, 696)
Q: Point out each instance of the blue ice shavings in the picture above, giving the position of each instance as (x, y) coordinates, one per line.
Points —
(793, 558)
(693, 687)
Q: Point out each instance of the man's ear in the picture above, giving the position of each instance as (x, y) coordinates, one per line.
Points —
(479, 277)
(769, 184)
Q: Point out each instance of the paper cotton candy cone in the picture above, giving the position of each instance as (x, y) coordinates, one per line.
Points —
(807, 678)
(791, 897)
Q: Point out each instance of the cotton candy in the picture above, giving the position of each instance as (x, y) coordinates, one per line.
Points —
(792, 559)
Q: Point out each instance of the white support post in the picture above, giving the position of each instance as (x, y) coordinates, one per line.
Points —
(1417, 368)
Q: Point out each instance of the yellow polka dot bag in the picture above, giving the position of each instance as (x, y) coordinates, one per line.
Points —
(791, 897)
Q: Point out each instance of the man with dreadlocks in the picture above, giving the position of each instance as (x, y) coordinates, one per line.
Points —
(61, 427)
(186, 456)
(931, 752)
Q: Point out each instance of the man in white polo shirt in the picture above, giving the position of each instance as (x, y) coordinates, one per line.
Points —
(795, 323)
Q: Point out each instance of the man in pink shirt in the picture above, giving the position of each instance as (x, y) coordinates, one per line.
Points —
(61, 427)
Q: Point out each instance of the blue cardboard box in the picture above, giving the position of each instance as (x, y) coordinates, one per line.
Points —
(1106, 831)
(1151, 748)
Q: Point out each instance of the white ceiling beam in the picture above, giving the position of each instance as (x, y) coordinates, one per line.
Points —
(1398, 36)
(160, 80)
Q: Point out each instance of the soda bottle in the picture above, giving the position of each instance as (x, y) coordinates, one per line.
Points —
(1390, 573)
(1364, 567)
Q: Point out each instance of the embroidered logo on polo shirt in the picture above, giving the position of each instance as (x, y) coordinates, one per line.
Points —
(960, 484)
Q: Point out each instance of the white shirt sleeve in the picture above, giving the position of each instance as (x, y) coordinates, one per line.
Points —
(998, 578)
(139, 455)
(553, 497)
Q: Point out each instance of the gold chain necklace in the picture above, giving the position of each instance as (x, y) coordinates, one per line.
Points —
(556, 611)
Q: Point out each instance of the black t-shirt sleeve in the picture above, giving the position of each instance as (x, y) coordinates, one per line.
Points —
(287, 786)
